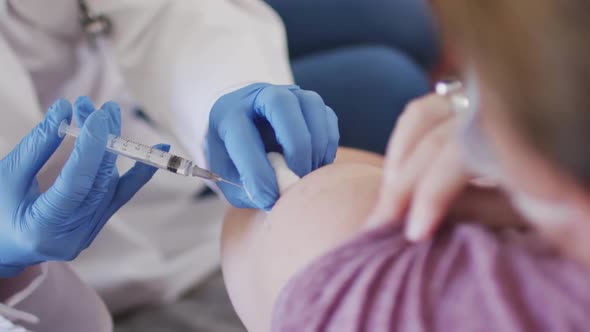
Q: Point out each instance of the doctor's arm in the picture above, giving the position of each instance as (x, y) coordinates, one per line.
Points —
(178, 58)
(186, 59)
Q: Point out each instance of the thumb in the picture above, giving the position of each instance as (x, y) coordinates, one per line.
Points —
(29, 156)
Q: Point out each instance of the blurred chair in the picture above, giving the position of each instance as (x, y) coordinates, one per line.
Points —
(366, 58)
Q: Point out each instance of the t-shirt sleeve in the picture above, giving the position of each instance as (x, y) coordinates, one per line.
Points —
(467, 279)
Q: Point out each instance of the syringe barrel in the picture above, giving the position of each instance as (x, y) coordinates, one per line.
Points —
(138, 152)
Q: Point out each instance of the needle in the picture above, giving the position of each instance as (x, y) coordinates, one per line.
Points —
(218, 178)
(207, 174)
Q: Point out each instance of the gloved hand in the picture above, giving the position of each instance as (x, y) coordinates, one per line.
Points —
(60, 223)
(246, 124)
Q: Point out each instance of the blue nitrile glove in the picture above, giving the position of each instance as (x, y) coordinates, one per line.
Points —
(60, 223)
(246, 124)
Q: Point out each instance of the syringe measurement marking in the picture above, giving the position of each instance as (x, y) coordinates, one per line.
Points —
(149, 155)
(125, 143)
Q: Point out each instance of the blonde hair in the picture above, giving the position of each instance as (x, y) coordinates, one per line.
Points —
(536, 55)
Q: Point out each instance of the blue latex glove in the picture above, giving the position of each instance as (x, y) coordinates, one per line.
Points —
(246, 124)
(60, 223)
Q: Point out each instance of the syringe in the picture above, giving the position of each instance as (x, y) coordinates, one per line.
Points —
(149, 155)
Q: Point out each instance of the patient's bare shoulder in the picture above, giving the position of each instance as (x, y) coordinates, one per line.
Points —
(350, 155)
(261, 252)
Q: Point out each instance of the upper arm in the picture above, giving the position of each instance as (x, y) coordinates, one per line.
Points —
(262, 252)
(309, 265)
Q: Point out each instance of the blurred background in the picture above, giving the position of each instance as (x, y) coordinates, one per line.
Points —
(206, 308)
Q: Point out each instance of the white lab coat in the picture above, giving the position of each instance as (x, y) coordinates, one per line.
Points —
(173, 58)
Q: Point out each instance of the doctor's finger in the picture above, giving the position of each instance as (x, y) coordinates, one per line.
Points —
(29, 156)
(333, 137)
(83, 107)
(107, 171)
(315, 114)
(95, 225)
(221, 163)
(78, 174)
(246, 150)
(282, 110)
(125, 188)
(435, 193)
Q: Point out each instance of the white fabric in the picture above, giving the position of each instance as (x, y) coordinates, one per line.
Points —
(284, 175)
(171, 57)
(8, 326)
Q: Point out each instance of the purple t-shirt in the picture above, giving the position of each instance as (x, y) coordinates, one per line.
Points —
(467, 279)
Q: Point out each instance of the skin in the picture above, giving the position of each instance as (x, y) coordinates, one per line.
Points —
(424, 169)
(261, 252)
